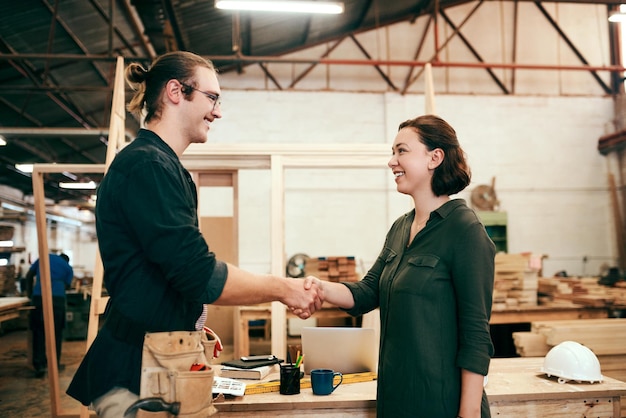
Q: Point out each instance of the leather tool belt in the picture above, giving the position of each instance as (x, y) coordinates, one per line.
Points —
(176, 375)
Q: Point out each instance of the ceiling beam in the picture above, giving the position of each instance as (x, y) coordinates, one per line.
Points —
(331, 61)
(35, 132)
(571, 45)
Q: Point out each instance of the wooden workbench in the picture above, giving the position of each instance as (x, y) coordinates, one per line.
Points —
(516, 388)
(12, 307)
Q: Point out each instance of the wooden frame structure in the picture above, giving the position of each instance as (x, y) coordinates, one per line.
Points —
(275, 158)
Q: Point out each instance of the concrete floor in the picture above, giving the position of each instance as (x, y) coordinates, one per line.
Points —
(25, 396)
(21, 393)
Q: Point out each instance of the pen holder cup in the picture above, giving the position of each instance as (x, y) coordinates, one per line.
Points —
(290, 376)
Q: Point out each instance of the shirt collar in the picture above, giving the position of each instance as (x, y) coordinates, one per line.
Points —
(449, 207)
(156, 139)
(446, 209)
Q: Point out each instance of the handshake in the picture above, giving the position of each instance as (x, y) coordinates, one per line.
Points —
(305, 296)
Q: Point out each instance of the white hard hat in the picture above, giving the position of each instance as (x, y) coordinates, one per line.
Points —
(570, 360)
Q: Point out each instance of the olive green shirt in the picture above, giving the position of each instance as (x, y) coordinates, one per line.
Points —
(435, 300)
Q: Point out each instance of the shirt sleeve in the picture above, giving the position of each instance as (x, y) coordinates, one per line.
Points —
(473, 276)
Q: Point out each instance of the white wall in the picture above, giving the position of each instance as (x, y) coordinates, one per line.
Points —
(550, 177)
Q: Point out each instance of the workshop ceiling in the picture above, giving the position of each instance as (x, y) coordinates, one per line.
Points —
(57, 64)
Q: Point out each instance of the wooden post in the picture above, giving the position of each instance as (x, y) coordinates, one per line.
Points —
(116, 136)
(46, 289)
(619, 227)
(429, 91)
(277, 239)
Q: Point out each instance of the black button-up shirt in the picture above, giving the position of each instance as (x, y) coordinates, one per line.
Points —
(158, 269)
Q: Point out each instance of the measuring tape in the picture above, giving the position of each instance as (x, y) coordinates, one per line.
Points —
(274, 386)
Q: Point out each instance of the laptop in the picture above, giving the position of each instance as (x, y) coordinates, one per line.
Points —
(343, 349)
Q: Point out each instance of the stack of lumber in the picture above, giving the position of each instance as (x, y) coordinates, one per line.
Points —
(602, 336)
(334, 269)
(582, 290)
(515, 281)
(605, 337)
(6, 232)
(7, 280)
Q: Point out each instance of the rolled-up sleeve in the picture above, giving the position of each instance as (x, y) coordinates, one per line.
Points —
(473, 276)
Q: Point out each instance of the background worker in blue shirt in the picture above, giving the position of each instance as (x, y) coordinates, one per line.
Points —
(61, 275)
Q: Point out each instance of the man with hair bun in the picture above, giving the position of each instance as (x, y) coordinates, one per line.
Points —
(158, 269)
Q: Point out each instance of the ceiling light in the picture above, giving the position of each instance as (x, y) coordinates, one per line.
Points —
(24, 168)
(327, 7)
(70, 175)
(617, 17)
(9, 206)
(3, 141)
(77, 185)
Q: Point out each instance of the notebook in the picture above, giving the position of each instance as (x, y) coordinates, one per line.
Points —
(240, 364)
(343, 349)
(256, 373)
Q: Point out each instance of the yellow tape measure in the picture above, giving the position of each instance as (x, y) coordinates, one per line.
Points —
(305, 382)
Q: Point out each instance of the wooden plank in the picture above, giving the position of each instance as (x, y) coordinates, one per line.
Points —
(116, 138)
(274, 386)
(602, 407)
(46, 289)
(602, 336)
(617, 219)
(530, 344)
(517, 315)
(277, 242)
(537, 326)
(324, 412)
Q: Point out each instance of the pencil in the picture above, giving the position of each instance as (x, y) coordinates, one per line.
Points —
(299, 360)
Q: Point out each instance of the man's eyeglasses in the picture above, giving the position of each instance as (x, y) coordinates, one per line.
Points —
(215, 98)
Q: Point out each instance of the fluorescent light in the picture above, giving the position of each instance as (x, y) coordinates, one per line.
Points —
(327, 7)
(9, 206)
(617, 17)
(70, 175)
(24, 168)
(6, 243)
(77, 185)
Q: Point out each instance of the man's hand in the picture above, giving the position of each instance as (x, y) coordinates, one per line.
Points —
(306, 297)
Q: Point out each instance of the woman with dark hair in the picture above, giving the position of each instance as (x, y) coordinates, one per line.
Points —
(433, 283)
